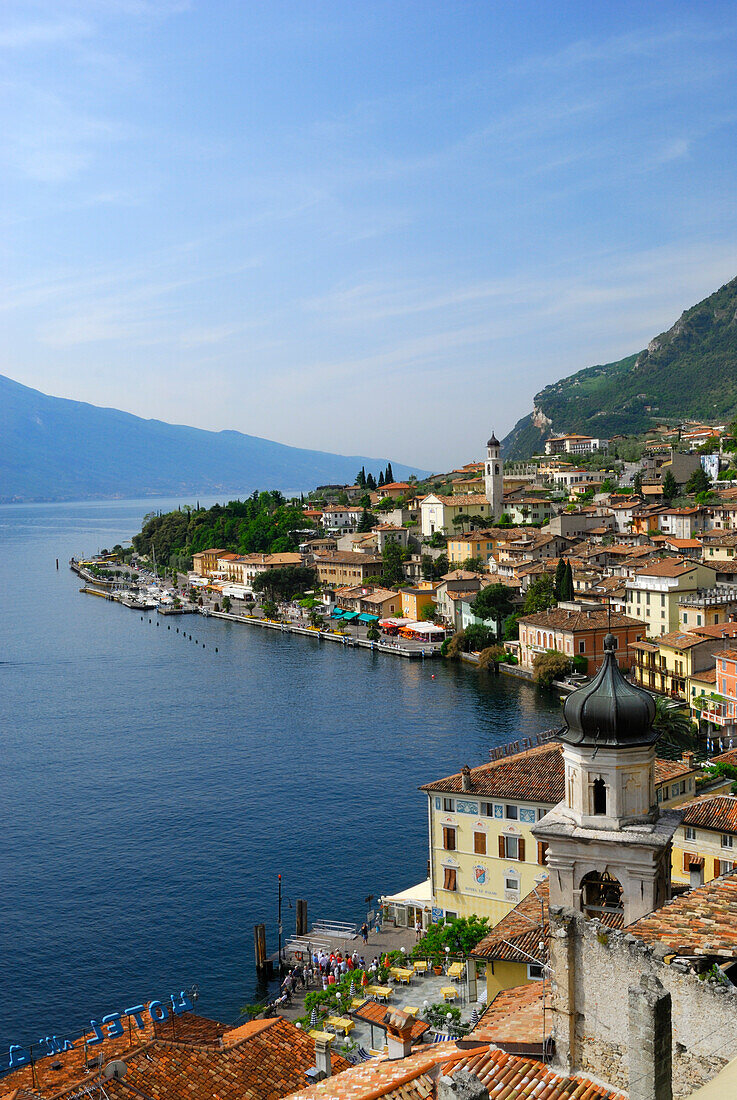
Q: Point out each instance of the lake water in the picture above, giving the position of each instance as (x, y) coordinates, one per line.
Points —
(151, 790)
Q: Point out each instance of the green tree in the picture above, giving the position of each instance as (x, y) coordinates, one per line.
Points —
(698, 482)
(677, 731)
(511, 629)
(381, 479)
(474, 565)
(281, 584)
(549, 666)
(226, 603)
(366, 521)
(461, 520)
(393, 557)
(539, 595)
(637, 482)
(568, 588)
(560, 573)
(460, 934)
(373, 634)
(370, 481)
(493, 603)
(389, 476)
(316, 620)
(669, 486)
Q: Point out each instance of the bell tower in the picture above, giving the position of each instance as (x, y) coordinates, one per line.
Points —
(609, 849)
(493, 479)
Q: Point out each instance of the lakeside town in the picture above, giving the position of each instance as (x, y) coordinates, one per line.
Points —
(578, 914)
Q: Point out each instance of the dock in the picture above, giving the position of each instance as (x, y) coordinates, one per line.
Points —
(395, 650)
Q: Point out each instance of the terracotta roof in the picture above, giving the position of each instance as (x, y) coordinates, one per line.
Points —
(716, 630)
(374, 1013)
(728, 757)
(346, 557)
(669, 567)
(706, 676)
(515, 1018)
(378, 1078)
(680, 640)
(518, 934)
(718, 812)
(463, 499)
(558, 617)
(535, 775)
(263, 1059)
(700, 922)
(510, 1077)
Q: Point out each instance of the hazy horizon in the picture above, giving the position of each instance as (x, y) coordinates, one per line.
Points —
(361, 229)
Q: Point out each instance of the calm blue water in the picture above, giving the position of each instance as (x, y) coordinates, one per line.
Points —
(151, 790)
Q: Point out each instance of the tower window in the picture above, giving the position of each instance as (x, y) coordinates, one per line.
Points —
(599, 796)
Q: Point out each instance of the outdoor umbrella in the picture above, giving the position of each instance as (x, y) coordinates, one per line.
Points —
(313, 1019)
(353, 989)
(364, 979)
(474, 1018)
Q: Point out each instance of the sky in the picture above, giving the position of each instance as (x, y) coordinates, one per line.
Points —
(371, 227)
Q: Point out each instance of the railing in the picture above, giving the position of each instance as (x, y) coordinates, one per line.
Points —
(335, 929)
(512, 747)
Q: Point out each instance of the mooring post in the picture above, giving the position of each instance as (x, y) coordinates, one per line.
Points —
(259, 946)
(301, 917)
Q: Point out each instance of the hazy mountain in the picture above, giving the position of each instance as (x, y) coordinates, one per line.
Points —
(55, 449)
(688, 371)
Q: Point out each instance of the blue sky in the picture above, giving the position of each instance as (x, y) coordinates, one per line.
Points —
(364, 227)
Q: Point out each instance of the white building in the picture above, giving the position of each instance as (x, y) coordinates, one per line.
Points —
(494, 479)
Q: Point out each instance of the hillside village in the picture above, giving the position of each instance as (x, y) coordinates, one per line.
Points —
(594, 863)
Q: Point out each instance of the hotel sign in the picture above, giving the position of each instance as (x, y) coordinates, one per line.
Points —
(108, 1027)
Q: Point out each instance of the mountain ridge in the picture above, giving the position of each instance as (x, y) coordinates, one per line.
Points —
(689, 370)
(57, 449)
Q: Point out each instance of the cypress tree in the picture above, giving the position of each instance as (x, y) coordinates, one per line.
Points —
(560, 572)
(568, 589)
(389, 476)
(370, 481)
(381, 477)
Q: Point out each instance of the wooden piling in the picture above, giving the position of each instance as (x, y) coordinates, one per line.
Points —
(301, 917)
(259, 945)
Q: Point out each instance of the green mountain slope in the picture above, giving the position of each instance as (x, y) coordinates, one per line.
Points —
(688, 371)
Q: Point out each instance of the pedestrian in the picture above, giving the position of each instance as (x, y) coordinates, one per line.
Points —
(418, 929)
(364, 932)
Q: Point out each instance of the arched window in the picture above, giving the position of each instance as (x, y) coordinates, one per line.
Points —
(599, 796)
(601, 896)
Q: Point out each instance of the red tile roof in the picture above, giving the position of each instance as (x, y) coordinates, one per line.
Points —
(520, 1017)
(518, 934)
(263, 1060)
(374, 1013)
(560, 619)
(381, 1078)
(535, 775)
(718, 812)
(509, 1077)
(670, 567)
(700, 922)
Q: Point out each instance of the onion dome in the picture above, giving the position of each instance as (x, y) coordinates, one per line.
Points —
(609, 712)
(493, 442)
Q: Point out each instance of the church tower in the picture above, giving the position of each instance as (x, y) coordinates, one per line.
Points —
(609, 849)
(493, 479)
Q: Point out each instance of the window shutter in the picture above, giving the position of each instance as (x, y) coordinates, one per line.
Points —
(521, 849)
(479, 844)
(686, 862)
(717, 868)
(450, 878)
(502, 849)
(541, 850)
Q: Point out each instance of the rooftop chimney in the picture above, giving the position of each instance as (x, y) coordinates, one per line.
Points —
(322, 1055)
(398, 1033)
(466, 783)
(687, 759)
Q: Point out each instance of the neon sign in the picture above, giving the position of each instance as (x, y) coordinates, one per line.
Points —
(109, 1027)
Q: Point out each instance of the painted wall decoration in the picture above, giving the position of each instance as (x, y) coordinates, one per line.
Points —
(479, 874)
(108, 1027)
(498, 810)
(528, 815)
(466, 807)
(437, 803)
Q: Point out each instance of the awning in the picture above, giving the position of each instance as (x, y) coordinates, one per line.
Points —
(364, 618)
(419, 895)
(394, 622)
(336, 613)
(424, 628)
(348, 616)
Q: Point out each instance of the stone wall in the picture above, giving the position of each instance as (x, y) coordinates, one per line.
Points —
(593, 967)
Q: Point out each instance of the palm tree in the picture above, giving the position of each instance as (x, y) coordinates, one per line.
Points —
(674, 726)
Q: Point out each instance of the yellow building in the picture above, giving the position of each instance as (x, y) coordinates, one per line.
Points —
(705, 843)
(478, 544)
(206, 561)
(668, 664)
(414, 600)
(512, 950)
(655, 592)
(483, 856)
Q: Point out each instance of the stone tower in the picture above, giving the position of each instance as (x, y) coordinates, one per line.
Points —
(609, 850)
(493, 479)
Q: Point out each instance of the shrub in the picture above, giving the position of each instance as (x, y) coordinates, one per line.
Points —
(491, 656)
(550, 666)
